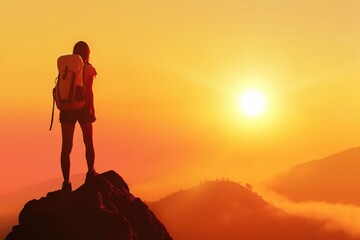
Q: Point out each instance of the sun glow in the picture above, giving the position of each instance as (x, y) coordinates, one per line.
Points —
(252, 102)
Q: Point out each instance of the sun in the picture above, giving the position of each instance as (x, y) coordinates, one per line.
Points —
(252, 102)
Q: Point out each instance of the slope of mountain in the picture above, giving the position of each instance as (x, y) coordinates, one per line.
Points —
(334, 179)
(227, 210)
(12, 203)
(18, 198)
(102, 208)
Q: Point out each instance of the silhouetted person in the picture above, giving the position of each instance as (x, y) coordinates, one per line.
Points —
(85, 117)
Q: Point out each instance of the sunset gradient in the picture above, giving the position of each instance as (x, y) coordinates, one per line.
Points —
(169, 77)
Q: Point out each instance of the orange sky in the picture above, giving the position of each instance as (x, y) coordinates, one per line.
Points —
(169, 74)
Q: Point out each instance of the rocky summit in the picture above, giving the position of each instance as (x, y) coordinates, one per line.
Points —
(102, 209)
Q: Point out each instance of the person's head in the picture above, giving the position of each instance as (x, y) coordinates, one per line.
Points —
(81, 48)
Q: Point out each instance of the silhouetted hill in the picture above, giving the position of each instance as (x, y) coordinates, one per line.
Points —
(101, 209)
(227, 210)
(334, 179)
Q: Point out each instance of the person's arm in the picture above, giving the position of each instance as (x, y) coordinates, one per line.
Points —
(89, 92)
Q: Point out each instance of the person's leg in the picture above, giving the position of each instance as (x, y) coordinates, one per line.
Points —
(87, 130)
(67, 131)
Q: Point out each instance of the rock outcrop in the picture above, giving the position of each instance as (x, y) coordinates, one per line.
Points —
(103, 209)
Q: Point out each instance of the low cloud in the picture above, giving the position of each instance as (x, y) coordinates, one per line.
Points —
(337, 216)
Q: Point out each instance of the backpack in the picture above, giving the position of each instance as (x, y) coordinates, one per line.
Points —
(69, 91)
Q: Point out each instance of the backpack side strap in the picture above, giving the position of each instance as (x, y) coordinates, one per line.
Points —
(53, 107)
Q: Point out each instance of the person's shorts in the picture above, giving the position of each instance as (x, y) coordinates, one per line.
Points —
(83, 115)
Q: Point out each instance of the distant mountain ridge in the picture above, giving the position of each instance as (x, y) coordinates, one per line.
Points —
(333, 179)
(227, 210)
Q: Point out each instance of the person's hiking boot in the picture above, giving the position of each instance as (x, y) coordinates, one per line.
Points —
(90, 175)
(66, 187)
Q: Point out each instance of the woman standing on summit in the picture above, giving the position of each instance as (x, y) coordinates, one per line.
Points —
(85, 117)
